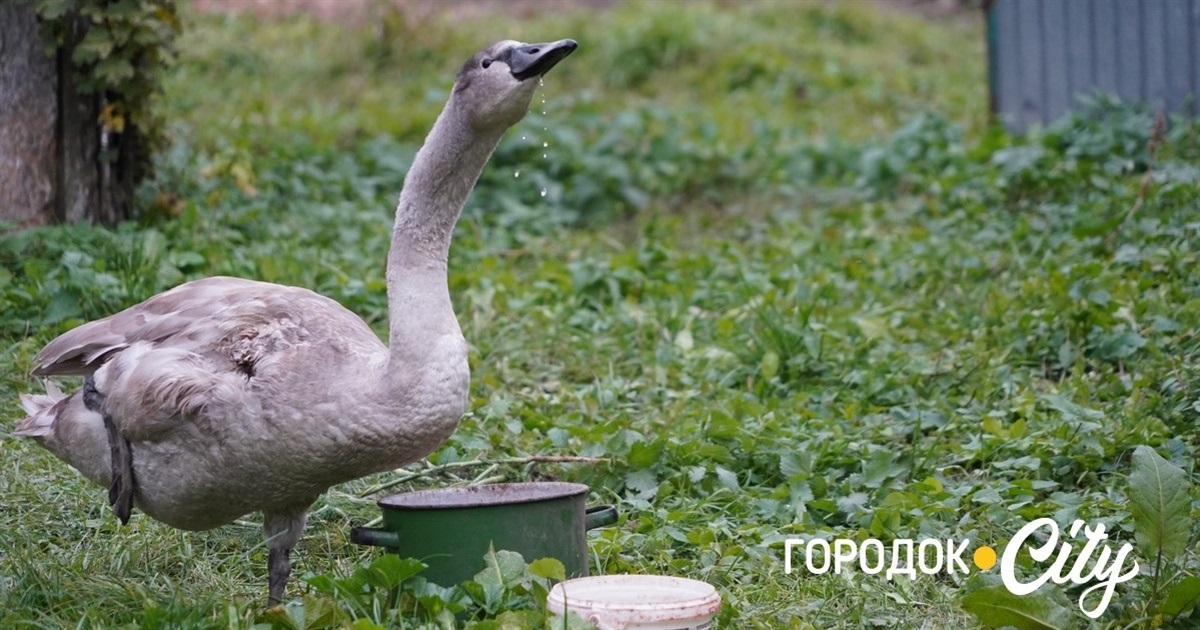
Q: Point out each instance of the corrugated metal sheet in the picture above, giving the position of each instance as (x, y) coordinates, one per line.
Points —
(1044, 54)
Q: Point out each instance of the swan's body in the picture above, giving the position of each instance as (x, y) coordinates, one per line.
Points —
(226, 396)
(215, 381)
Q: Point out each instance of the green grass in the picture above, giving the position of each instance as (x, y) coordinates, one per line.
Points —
(783, 275)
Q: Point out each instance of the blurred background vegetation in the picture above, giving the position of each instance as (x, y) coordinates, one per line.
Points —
(769, 257)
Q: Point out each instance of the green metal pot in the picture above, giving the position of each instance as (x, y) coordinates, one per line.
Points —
(451, 529)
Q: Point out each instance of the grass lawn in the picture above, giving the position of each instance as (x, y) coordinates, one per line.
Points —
(769, 259)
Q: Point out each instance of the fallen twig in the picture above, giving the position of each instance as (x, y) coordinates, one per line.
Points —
(1156, 138)
(490, 463)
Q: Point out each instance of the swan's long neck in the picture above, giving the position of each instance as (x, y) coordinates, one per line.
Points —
(435, 190)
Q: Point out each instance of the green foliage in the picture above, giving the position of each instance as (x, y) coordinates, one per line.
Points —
(996, 607)
(791, 287)
(388, 592)
(1160, 505)
(119, 50)
(1160, 501)
(1159, 498)
(1182, 597)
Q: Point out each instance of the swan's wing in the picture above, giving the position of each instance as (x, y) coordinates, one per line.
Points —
(195, 316)
(148, 390)
(199, 346)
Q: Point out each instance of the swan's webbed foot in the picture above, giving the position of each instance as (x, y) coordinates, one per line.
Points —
(120, 489)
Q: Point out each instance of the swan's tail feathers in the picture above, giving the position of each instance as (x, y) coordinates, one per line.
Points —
(43, 409)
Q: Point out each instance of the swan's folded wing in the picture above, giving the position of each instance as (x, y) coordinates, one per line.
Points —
(148, 391)
(82, 350)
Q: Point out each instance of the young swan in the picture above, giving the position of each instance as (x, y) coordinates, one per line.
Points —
(226, 396)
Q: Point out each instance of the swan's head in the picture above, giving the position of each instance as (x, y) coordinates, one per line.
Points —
(496, 85)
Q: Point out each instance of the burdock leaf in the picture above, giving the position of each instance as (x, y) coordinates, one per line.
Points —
(549, 568)
(1159, 499)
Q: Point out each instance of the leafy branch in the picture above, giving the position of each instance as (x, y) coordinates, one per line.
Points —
(118, 50)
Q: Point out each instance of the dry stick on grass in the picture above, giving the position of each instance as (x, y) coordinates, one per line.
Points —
(491, 463)
(1156, 138)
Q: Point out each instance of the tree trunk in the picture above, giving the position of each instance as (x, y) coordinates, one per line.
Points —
(28, 108)
(50, 166)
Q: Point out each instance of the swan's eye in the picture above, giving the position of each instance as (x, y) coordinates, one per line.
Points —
(486, 63)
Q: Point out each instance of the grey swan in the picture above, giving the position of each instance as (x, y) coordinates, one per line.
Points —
(226, 396)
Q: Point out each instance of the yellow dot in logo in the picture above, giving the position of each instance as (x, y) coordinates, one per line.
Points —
(985, 557)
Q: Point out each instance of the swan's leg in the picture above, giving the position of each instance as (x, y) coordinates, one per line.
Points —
(120, 488)
(282, 530)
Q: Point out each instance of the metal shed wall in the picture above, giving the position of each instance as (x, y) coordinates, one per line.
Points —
(1043, 54)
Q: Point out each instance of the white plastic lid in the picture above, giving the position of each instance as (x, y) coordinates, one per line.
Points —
(654, 597)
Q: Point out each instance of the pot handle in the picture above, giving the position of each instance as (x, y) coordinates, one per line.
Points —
(596, 516)
(374, 537)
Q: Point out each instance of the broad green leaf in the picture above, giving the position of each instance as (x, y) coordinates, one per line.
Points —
(289, 616)
(503, 569)
(549, 568)
(885, 523)
(769, 365)
(113, 70)
(307, 613)
(323, 583)
(51, 9)
(1181, 597)
(996, 607)
(487, 589)
(1071, 411)
(722, 426)
(63, 305)
(987, 496)
(795, 462)
(642, 483)
(510, 620)
(698, 453)
(566, 620)
(123, 10)
(645, 454)
(510, 564)
(96, 44)
(881, 467)
(871, 327)
(800, 493)
(390, 570)
(1159, 499)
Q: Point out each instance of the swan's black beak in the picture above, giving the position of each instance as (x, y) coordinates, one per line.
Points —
(534, 60)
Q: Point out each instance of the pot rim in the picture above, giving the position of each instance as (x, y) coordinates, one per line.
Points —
(487, 495)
